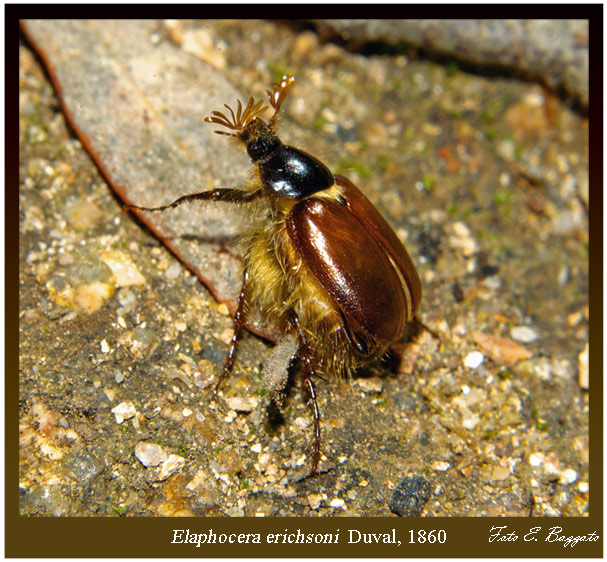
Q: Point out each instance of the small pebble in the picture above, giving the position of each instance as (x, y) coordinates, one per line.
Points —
(91, 296)
(410, 496)
(150, 454)
(124, 411)
(124, 269)
(371, 385)
(474, 360)
(230, 417)
(462, 239)
(552, 465)
(523, 334)
(203, 375)
(440, 466)
(568, 476)
(171, 465)
(301, 422)
(226, 336)
(264, 459)
(575, 318)
(337, 502)
(242, 404)
(305, 43)
(52, 452)
(172, 272)
(536, 459)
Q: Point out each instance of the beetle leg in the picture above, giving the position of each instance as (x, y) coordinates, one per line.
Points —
(239, 316)
(225, 195)
(304, 351)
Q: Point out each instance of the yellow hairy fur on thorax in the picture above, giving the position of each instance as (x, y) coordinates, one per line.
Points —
(280, 281)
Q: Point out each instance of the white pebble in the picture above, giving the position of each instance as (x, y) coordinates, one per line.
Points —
(337, 502)
(568, 476)
(124, 411)
(314, 500)
(474, 360)
(105, 348)
(241, 404)
(173, 271)
(523, 334)
(536, 459)
(124, 269)
(301, 422)
(150, 454)
(372, 385)
(471, 421)
(171, 465)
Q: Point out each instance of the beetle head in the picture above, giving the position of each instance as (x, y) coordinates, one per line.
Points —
(246, 125)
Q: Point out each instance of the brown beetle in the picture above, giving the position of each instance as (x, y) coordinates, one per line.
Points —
(320, 261)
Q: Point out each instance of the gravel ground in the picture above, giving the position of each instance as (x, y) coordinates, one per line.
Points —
(486, 181)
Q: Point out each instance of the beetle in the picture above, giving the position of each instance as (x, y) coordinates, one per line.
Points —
(320, 261)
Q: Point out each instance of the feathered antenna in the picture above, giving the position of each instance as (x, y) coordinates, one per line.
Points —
(276, 97)
(236, 122)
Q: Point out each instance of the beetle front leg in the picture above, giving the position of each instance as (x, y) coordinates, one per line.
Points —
(304, 352)
(221, 195)
(239, 317)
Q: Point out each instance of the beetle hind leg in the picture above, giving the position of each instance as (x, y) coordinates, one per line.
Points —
(310, 374)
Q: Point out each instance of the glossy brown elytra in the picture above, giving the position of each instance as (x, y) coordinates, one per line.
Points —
(320, 261)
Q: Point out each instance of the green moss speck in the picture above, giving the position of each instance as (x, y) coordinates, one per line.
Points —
(428, 182)
(383, 162)
(504, 196)
(452, 68)
(362, 170)
(318, 124)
